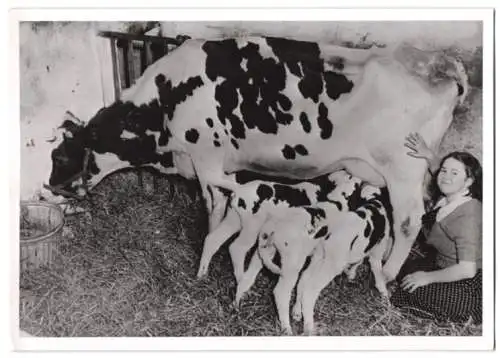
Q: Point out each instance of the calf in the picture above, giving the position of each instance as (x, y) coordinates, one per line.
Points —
(254, 202)
(334, 239)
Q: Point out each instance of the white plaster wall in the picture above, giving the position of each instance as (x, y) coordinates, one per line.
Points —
(425, 34)
(63, 66)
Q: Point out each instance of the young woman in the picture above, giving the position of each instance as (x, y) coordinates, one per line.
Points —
(446, 284)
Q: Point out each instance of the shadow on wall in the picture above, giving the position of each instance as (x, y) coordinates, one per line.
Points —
(422, 34)
(59, 70)
(465, 132)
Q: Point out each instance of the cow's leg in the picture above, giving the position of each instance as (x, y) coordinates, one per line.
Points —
(226, 181)
(184, 166)
(215, 202)
(243, 243)
(207, 193)
(229, 226)
(192, 189)
(248, 277)
(211, 176)
(219, 203)
(408, 207)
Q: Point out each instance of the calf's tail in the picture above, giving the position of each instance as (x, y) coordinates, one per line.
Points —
(267, 250)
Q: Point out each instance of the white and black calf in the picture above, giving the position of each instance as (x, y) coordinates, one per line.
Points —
(335, 239)
(257, 200)
(279, 107)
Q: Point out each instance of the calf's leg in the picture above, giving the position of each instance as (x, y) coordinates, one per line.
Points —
(323, 270)
(282, 295)
(380, 284)
(214, 240)
(243, 243)
(248, 277)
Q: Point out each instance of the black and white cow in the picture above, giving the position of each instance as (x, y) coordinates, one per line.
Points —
(334, 238)
(279, 107)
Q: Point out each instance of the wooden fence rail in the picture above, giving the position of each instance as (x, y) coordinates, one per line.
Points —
(132, 54)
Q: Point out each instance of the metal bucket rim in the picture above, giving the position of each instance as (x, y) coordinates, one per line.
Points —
(52, 232)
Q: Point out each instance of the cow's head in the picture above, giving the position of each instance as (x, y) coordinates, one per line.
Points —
(73, 160)
(122, 135)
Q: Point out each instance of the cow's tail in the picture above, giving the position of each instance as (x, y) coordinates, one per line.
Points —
(267, 250)
(462, 80)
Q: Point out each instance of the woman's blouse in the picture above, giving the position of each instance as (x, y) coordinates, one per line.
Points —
(458, 236)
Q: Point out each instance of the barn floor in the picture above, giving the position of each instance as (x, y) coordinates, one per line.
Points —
(128, 268)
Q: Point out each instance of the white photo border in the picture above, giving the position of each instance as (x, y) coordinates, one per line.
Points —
(264, 343)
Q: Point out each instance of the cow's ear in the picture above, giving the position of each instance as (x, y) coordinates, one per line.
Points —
(71, 125)
(71, 117)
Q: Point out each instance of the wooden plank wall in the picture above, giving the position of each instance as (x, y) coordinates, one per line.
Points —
(132, 54)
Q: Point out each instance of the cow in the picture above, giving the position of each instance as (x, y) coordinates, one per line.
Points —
(285, 108)
(258, 198)
(335, 239)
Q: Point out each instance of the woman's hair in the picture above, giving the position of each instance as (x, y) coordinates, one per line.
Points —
(473, 170)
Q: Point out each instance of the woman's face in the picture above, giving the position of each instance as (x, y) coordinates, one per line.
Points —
(452, 177)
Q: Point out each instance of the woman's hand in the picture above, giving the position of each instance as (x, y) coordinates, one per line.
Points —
(416, 143)
(415, 280)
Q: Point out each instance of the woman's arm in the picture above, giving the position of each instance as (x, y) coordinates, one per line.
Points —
(460, 271)
(416, 143)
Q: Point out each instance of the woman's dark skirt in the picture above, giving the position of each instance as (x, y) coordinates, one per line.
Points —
(456, 301)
